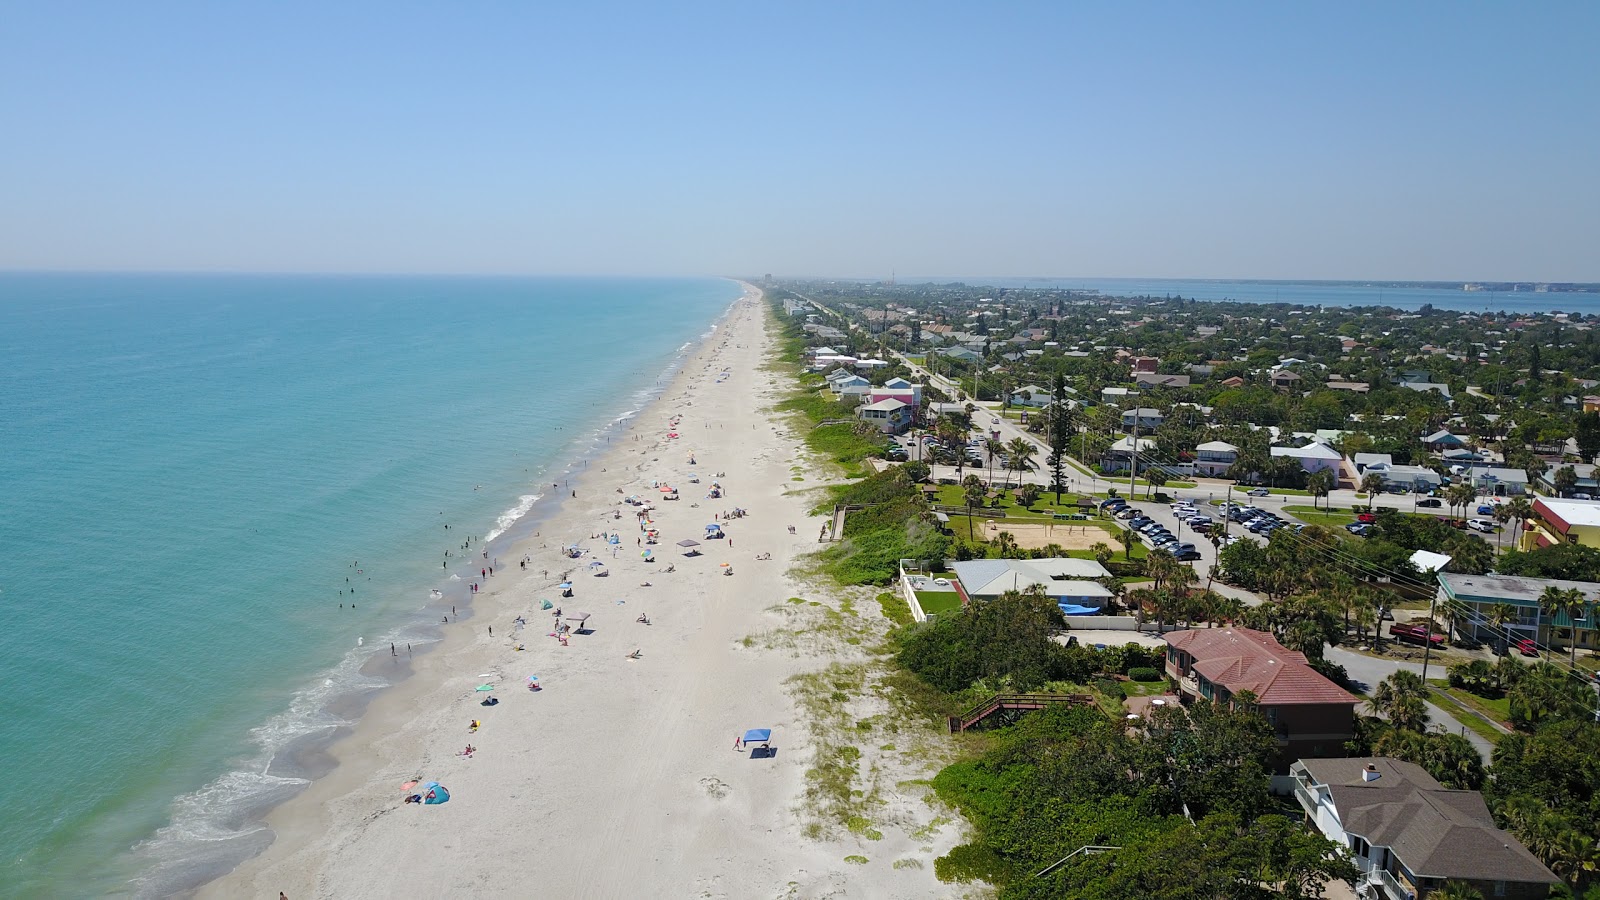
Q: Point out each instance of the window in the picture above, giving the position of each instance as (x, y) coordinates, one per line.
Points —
(1499, 888)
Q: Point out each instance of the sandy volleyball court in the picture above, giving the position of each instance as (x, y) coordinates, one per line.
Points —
(1068, 536)
(619, 778)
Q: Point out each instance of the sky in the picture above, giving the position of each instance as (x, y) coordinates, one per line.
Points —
(1449, 141)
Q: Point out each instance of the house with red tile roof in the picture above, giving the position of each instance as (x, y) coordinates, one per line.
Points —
(1312, 716)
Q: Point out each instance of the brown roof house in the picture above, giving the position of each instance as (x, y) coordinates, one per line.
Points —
(1408, 835)
(1312, 716)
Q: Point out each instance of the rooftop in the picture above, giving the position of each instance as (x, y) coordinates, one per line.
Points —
(1517, 589)
(1571, 512)
(1436, 832)
(1242, 659)
(1060, 576)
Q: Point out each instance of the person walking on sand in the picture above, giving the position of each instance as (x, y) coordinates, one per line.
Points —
(738, 741)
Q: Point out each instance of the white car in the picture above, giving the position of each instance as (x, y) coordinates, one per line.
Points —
(1486, 526)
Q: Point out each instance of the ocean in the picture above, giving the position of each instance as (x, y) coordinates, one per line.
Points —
(221, 495)
(1310, 293)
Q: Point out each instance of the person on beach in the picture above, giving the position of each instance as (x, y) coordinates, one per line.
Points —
(738, 741)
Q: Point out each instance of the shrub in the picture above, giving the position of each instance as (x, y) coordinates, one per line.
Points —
(1143, 673)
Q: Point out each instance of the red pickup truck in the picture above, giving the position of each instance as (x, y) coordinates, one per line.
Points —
(1415, 634)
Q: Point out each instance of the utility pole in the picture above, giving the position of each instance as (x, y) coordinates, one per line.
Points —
(1133, 450)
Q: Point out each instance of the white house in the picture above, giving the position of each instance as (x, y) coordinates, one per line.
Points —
(891, 416)
(1213, 459)
(1312, 457)
(1031, 395)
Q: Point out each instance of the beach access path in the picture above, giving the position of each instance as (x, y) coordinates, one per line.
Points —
(619, 778)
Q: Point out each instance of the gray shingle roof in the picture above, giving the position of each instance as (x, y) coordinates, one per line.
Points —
(1435, 832)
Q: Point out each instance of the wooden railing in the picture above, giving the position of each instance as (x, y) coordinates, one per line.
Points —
(1010, 707)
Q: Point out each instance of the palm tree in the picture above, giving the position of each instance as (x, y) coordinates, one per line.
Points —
(1460, 494)
(1400, 699)
(1556, 602)
(973, 492)
(991, 449)
(1502, 515)
(1019, 455)
(1319, 484)
(1102, 552)
(1160, 565)
(1372, 484)
(1127, 543)
(1520, 509)
(1154, 477)
(1005, 544)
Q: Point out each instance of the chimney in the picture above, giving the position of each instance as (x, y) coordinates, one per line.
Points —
(1370, 773)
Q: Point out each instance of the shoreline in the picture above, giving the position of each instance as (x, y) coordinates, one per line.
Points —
(308, 757)
(617, 778)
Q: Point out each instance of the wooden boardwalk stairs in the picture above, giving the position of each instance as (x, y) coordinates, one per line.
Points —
(1005, 709)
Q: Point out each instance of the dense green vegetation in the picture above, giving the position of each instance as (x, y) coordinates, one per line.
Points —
(894, 523)
(1064, 779)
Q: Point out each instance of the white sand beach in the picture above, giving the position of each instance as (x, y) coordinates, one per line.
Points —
(619, 778)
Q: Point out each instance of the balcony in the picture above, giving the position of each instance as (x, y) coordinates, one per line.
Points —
(1307, 798)
(1392, 887)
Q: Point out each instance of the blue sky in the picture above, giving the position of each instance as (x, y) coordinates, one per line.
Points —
(1345, 140)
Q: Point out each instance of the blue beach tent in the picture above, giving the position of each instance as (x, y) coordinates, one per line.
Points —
(758, 736)
(433, 793)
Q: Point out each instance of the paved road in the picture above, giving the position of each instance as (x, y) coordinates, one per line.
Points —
(1366, 672)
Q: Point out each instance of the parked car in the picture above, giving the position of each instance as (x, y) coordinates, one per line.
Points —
(1189, 555)
(1487, 526)
(1366, 517)
(1527, 647)
(1485, 509)
(1415, 634)
(1430, 503)
(1359, 529)
(1258, 492)
(1112, 501)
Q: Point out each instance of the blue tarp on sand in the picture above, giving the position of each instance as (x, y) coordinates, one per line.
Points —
(1072, 609)
(758, 736)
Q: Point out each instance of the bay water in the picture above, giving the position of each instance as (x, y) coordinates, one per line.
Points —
(221, 495)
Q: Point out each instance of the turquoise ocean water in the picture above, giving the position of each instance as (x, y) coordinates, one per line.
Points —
(191, 467)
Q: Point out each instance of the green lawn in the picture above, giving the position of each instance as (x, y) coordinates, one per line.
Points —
(1498, 709)
(938, 602)
(1314, 516)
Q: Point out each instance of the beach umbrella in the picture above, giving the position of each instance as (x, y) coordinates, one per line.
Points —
(688, 543)
(644, 554)
(409, 785)
(484, 687)
(595, 564)
(576, 617)
(565, 584)
(726, 565)
(758, 736)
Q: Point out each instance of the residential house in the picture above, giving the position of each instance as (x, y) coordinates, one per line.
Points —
(1312, 716)
(1119, 455)
(1143, 418)
(1420, 386)
(1409, 478)
(962, 353)
(890, 416)
(1496, 481)
(1031, 395)
(1562, 522)
(1159, 380)
(1377, 460)
(1443, 440)
(1200, 370)
(1471, 598)
(1283, 378)
(1233, 382)
(1312, 457)
(1588, 480)
(1145, 364)
(1409, 835)
(1069, 582)
(1463, 456)
(856, 392)
(1117, 396)
(839, 384)
(1354, 387)
(1213, 459)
